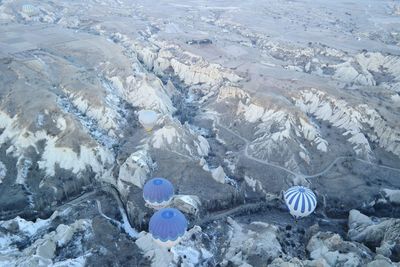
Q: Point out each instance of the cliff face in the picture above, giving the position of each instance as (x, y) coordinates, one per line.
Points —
(245, 111)
(363, 124)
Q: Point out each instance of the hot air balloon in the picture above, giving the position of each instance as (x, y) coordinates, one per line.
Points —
(167, 226)
(29, 10)
(158, 192)
(300, 201)
(148, 119)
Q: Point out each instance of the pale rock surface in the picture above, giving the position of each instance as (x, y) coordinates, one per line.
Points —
(190, 68)
(187, 203)
(352, 120)
(147, 92)
(337, 252)
(192, 253)
(254, 184)
(392, 196)
(179, 139)
(395, 98)
(187, 253)
(74, 66)
(42, 251)
(100, 110)
(96, 157)
(159, 255)
(279, 131)
(219, 175)
(295, 262)
(376, 62)
(381, 261)
(227, 92)
(382, 233)
(136, 168)
(259, 239)
(3, 171)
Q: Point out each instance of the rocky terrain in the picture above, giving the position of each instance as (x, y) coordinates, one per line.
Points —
(253, 97)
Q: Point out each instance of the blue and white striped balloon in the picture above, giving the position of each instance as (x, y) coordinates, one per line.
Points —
(300, 201)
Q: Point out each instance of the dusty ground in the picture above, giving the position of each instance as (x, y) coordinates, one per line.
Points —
(253, 97)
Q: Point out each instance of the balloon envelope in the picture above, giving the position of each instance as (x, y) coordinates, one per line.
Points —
(167, 226)
(300, 201)
(148, 118)
(29, 10)
(158, 192)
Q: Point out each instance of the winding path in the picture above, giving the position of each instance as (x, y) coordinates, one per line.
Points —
(299, 175)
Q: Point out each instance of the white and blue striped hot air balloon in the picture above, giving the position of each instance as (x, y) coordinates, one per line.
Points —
(300, 201)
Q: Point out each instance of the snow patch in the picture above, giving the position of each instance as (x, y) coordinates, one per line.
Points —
(189, 256)
(126, 225)
(3, 171)
(23, 166)
(29, 228)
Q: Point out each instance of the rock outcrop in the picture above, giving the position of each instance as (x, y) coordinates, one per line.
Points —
(352, 120)
(335, 251)
(251, 245)
(178, 138)
(380, 234)
(135, 170)
(41, 251)
(189, 252)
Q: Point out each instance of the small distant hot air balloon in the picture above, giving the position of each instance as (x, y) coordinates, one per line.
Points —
(158, 192)
(167, 226)
(300, 200)
(148, 119)
(29, 10)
